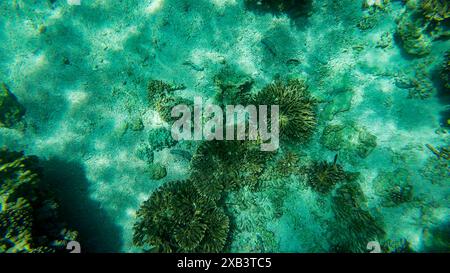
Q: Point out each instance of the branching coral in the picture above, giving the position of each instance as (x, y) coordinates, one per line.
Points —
(226, 165)
(375, 4)
(414, 40)
(165, 105)
(161, 96)
(297, 108)
(157, 89)
(28, 214)
(323, 176)
(11, 111)
(422, 22)
(355, 226)
(176, 218)
(436, 10)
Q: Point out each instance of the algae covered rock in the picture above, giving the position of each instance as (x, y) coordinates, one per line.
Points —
(396, 246)
(157, 171)
(342, 102)
(160, 138)
(233, 87)
(394, 188)
(11, 111)
(28, 212)
(333, 137)
(349, 138)
(366, 143)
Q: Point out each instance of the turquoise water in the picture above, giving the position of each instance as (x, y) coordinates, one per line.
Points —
(82, 72)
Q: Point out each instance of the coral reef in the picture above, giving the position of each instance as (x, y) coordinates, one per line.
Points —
(414, 40)
(219, 166)
(161, 96)
(176, 218)
(355, 226)
(435, 10)
(323, 176)
(28, 212)
(297, 108)
(157, 90)
(11, 111)
(422, 22)
(394, 188)
(165, 105)
(419, 83)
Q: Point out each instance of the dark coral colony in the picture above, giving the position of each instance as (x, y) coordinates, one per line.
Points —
(195, 214)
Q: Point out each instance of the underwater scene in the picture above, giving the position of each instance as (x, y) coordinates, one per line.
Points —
(224, 126)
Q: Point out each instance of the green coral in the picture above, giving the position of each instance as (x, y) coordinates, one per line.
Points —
(176, 218)
(157, 89)
(11, 111)
(297, 108)
(355, 226)
(323, 176)
(28, 213)
(165, 105)
(161, 96)
(411, 33)
(435, 10)
(219, 166)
